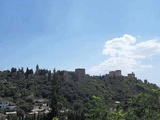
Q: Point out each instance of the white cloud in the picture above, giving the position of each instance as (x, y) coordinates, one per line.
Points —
(127, 55)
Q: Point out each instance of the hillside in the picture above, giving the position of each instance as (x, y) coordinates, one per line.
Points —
(76, 90)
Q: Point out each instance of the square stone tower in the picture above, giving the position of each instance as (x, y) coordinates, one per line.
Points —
(118, 73)
(80, 72)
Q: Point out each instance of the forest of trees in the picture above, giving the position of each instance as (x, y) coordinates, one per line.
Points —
(80, 98)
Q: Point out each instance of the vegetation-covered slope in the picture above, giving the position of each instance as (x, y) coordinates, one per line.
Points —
(75, 93)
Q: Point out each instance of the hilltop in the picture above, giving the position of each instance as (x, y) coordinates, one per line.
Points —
(76, 88)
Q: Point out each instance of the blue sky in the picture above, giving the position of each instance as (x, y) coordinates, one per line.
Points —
(69, 34)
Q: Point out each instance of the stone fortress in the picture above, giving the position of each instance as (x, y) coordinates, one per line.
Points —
(80, 74)
(117, 73)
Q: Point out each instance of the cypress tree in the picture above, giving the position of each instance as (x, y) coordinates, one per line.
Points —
(54, 96)
(49, 75)
(27, 73)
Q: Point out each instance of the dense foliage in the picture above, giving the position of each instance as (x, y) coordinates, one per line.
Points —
(86, 97)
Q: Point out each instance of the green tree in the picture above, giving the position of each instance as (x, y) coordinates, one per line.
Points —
(27, 73)
(55, 118)
(49, 75)
(54, 96)
(146, 105)
(99, 112)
